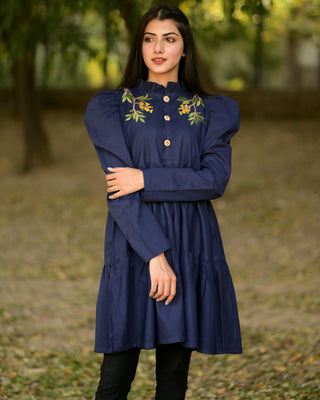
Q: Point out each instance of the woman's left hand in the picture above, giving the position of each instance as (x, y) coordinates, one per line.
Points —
(124, 181)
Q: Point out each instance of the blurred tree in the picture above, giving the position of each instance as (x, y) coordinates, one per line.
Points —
(303, 23)
(257, 10)
(129, 11)
(56, 28)
(294, 78)
(23, 26)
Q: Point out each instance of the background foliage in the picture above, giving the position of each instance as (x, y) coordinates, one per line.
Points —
(79, 43)
(243, 43)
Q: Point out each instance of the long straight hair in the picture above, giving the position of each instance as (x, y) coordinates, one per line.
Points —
(188, 70)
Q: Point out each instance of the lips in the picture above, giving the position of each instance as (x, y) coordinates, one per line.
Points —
(158, 60)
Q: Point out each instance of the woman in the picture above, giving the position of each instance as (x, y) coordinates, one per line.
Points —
(165, 147)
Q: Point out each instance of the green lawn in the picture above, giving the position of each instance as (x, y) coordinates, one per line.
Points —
(51, 239)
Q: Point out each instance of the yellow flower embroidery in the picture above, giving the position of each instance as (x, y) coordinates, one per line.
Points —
(145, 106)
(184, 109)
(141, 106)
(187, 104)
(141, 101)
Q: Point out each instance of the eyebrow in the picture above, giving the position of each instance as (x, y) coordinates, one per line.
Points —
(165, 34)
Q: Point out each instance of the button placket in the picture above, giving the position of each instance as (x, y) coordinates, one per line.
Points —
(167, 140)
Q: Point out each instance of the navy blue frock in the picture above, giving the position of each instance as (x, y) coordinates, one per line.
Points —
(181, 142)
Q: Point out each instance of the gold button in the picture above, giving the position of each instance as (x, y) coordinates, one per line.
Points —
(167, 118)
(166, 99)
(167, 142)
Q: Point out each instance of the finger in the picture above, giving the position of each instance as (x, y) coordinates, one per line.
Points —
(119, 193)
(173, 289)
(116, 169)
(159, 291)
(112, 183)
(110, 177)
(111, 189)
(153, 289)
(115, 196)
(164, 290)
(165, 294)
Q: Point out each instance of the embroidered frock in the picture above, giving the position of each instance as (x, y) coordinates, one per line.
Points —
(181, 142)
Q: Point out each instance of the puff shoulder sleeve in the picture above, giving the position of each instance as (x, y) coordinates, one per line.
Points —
(132, 215)
(209, 182)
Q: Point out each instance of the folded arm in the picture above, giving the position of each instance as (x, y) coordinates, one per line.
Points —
(132, 215)
(187, 184)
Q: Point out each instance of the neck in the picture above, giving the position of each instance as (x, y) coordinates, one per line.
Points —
(162, 80)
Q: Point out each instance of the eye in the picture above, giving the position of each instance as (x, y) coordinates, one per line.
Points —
(148, 39)
(170, 39)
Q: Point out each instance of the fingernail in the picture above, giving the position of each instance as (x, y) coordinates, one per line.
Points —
(166, 304)
(157, 300)
(110, 168)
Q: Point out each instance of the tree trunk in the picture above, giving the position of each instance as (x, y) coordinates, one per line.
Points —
(259, 53)
(294, 76)
(130, 14)
(37, 149)
(318, 67)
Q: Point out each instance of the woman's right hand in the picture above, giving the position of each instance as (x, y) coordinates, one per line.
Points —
(163, 279)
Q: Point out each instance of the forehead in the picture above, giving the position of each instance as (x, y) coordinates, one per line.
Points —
(161, 27)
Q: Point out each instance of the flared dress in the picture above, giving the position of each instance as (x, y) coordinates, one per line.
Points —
(181, 142)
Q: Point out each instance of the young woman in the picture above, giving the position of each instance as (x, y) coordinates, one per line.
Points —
(165, 147)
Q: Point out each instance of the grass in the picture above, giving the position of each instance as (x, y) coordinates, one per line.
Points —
(52, 232)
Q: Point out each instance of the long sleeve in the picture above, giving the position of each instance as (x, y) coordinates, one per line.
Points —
(132, 215)
(210, 181)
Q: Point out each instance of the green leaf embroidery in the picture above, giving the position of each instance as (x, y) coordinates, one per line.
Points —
(140, 105)
(187, 105)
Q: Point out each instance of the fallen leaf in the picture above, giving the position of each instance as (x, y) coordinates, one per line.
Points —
(280, 368)
(296, 357)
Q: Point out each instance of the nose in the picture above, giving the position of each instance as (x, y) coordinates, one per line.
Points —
(158, 46)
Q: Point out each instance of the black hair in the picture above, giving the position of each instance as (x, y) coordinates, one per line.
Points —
(188, 71)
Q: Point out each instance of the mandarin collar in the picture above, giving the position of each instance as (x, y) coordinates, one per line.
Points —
(156, 87)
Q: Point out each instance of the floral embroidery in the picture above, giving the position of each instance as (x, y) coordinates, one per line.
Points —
(141, 106)
(191, 104)
(141, 102)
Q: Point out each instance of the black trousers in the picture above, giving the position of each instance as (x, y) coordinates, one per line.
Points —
(118, 371)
